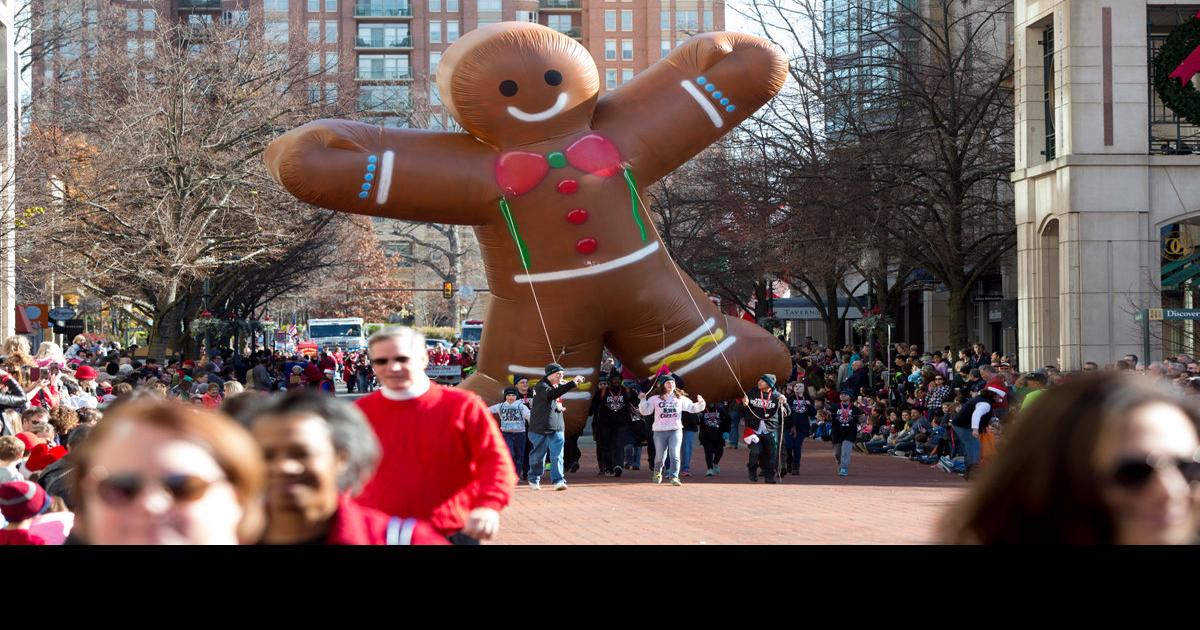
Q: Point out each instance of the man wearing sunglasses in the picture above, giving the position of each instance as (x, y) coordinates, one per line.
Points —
(443, 459)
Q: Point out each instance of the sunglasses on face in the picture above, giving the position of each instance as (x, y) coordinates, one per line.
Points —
(121, 489)
(385, 361)
(1135, 473)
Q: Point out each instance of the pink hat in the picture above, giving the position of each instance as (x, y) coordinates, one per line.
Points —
(22, 500)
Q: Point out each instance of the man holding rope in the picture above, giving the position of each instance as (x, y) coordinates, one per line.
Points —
(766, 410)
(547, 428)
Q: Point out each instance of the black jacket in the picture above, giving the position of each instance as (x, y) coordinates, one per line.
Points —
(771, 409)
(14, 398)
(845, 423)
(612, 408)
(856, 381)
(713, 425)
(544, 418)
(802, 413)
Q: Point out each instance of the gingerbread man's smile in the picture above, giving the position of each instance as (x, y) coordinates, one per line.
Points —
(546, 114)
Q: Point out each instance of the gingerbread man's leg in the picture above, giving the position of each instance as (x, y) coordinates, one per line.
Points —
(717, 356)
(514, 345)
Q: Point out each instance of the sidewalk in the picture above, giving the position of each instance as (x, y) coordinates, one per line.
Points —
(885, 500)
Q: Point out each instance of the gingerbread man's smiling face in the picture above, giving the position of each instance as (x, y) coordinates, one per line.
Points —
(517, 83)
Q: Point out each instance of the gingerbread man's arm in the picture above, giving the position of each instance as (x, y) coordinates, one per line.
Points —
(407, 174)
(680, 105)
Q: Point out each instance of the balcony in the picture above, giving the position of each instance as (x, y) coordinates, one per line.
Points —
(560, 5)
(364, 10)
(575, 32)
(365, 74)
(381, 43)
(385, 106)
(199, 4)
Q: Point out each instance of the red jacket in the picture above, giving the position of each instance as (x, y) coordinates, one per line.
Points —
(20, 537)
(442, 456)
(355, 524)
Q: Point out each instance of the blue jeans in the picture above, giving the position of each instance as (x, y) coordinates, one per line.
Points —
(734, 435)
(685, 454)
(541, 444)
(793, 445)
(666, 446)
(969, 444)
(516, 446)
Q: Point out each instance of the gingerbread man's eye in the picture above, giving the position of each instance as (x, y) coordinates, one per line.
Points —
(508, 88)
(553, 77)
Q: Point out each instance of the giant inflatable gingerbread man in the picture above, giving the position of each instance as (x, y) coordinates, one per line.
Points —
(549, 173)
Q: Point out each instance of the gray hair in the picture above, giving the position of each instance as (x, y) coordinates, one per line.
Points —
(403, 334)
(352, 437)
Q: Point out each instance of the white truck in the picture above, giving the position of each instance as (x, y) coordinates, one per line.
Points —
(330, 334)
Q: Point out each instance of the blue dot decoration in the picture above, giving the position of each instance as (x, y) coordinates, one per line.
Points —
(366, 187)
(724, 101)
(370, 168)
(730, 108)
(701, 80)
(362, 195)
(716, 95)
(371, 159)
(710, 87)
(369, 177)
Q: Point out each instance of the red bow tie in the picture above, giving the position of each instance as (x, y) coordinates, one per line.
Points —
(518, 172)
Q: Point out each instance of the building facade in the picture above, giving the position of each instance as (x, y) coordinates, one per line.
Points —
(1107, 184)
(9, 115)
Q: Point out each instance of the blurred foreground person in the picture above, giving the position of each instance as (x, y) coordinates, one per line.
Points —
(1103, 460)
(319, 452)
(155, 473)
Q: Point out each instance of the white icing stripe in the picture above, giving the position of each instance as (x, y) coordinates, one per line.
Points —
(708, 356)
(695, 334)
(385, 177)
(567, 274)
(576, 396)
(559, 105)
(699, 97)
(521, 369)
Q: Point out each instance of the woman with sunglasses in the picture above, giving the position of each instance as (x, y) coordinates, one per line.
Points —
(156, 473)
(1119, 467)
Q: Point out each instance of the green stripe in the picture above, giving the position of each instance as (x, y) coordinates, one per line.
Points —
(512, 230)
(633, 199)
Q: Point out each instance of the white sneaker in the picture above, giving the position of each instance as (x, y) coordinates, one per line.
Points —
(562, 485)
(535, 485)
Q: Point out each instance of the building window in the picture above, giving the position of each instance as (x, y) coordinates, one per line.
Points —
(314, 63)
(434, 97)
(435, 31)
(132, 46)
(708, 20)
(276, 6)
(131, 19)
(148, 48)
(148, 19)
(314, 93)
(666, 48)
(560, 23)
(383, 67)
(610, 50)
(610, 79)
(1048, 90)
(275, 31)
(434, 59)
(685, 21)
(451, 31)
(331, 62)
(331, 6)
(610, 20)
(664, 20)
(314, 6)
(626, 20)
(452, 6)
(527, 16)
(490, 5)
(627, 49)
(314, 31)
(435, 6)
(237, 18)
(331, 93)
(626, 76)
(331, 31)
(383, 36)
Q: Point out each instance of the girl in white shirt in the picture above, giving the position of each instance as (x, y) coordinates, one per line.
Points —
(667, 406)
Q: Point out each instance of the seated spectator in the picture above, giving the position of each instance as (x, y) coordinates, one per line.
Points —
(319, 452)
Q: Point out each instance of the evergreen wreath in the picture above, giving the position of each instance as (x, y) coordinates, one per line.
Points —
(1182, 98)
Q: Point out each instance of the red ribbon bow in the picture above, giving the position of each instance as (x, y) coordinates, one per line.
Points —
(518, 172)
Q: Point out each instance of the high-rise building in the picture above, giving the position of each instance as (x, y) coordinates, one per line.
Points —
(8, 115)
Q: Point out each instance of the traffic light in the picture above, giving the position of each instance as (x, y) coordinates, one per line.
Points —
(447, 290)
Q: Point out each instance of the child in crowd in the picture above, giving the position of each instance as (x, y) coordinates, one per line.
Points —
(514, 418)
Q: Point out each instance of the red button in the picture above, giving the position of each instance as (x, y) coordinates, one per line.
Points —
(568, 187)
(586, 245)
(578, 216)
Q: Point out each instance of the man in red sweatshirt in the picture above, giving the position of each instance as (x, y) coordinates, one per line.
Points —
(443, 457)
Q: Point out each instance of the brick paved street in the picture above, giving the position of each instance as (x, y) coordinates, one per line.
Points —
(885, 500)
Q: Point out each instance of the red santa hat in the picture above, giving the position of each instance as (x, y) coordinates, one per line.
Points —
(42, 456)
(749, 436)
